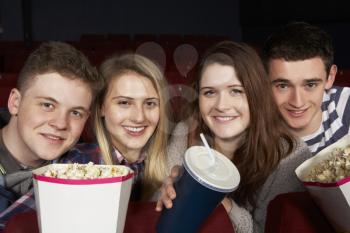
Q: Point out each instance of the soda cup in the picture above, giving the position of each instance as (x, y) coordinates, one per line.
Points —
(200, 189)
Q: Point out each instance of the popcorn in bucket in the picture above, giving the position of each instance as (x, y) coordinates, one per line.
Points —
(326, 176)
(82, 197)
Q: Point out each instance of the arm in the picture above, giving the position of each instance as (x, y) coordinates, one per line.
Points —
(24, 204)
(282, 180)
(6, 197)
(12, 186)
(240, 217)
(4, 194)
(177, 145)
(175, 151)
(167, 191)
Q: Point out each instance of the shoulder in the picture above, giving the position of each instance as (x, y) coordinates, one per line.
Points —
(300, 153)
(341, 89)
(338, 99)
(283, 179)
(4, 117)
(181, 128)
(177, 145)
(336, 95)
(338, 90)
(300, 146)
(179, 134)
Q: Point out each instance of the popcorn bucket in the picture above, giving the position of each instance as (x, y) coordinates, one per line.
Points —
(333, 198)
(66, 205)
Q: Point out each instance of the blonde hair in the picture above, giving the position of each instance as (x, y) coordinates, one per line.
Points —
(156, 159)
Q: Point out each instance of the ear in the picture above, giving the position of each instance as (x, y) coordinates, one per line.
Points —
(14, 101)
(331, 77)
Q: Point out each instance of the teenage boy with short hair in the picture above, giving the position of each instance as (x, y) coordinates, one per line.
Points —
(299, 61)
(49, 108)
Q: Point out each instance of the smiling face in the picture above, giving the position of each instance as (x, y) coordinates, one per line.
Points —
(51, 114)
(131, 111)
(222, 102)
(298, 88)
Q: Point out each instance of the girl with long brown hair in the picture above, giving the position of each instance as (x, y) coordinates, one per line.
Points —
(235, 109)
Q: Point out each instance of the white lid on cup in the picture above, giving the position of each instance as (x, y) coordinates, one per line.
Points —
(223, 176)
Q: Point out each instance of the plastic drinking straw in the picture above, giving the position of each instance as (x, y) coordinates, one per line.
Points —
(212, 157)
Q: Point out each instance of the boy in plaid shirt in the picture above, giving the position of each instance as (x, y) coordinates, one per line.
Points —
(49, 108)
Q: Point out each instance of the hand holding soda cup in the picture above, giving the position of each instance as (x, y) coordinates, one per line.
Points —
(203, 185)
(167, 191)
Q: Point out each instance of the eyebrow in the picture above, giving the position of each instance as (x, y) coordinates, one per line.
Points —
(209, 87)
(120, 96)
(314, 80)
(281, 80)
(152, 98)
(56, 102)
(130, 98)
(47, 98)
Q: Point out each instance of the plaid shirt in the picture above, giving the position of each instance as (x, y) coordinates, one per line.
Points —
(138, 167)
(81, 153)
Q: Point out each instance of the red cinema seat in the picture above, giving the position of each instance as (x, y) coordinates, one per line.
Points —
(343, 78)
(8, 79)
(4, 95)
(295, 213)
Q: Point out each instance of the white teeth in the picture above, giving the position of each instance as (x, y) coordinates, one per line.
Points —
(298, 112)
(224, 118)
(53, 137)
(134, 129)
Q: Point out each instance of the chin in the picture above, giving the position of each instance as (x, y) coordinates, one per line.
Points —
(297, 125)
(226, 136)
(135, 147)
(52, 156)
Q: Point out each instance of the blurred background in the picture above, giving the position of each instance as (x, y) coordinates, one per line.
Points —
(158, 20)
(172, 33)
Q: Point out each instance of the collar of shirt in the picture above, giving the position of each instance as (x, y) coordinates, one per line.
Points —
(117, 156)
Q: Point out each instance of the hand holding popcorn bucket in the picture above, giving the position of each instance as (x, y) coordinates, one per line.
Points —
(82, 198)
(327, 178)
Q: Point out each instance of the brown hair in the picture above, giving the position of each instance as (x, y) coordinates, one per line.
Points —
(62, 58)
(261, 149)
(299, 41)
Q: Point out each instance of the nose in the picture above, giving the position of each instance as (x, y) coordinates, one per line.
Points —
(223, 102)
(296, 99)
(59, 121)
(138, 114)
